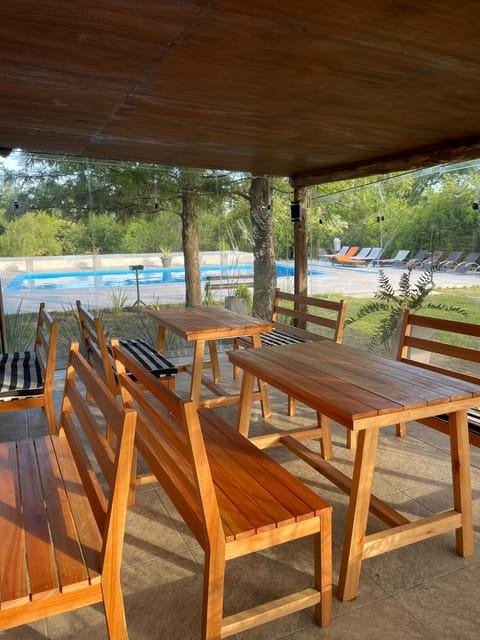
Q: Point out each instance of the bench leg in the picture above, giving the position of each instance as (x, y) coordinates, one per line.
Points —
(401, 429)
(323, 570)
(292, 406)
(213, 587)
(50, 413)
(114, 610)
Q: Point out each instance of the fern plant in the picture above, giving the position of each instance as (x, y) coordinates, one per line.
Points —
(392, 303)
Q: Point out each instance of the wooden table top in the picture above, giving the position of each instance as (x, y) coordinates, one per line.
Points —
(356, 388)
(209, 323)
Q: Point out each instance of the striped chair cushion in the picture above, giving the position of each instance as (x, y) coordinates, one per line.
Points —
(277, 338)
(20, 375)
(149, 357)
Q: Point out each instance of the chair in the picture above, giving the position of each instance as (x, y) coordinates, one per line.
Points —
(418, 259)
(63, 506)
(432, 261)
(374, 255)
(100, 357)
(468, 264)
(26, 378)
(234, 498)
(450, 261)
(346, 257)
(342, 252)
(397, 261)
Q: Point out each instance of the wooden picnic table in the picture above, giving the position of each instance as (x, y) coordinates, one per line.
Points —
(364, 393)
(205, 326)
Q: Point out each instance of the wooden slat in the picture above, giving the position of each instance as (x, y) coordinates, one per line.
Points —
(41, 567)
(68, 555)
(13, 574)
(87, 529)
(285, 488)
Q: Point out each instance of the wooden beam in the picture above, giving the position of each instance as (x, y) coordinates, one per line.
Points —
(455, 151)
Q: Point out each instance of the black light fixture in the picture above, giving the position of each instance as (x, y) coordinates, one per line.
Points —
(475, 204)
(295, 211)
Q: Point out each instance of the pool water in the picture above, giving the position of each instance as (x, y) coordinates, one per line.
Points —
(125, 278)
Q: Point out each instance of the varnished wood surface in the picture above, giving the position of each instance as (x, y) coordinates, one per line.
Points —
(356, 388)
(365, 392)
(61, 533)
(207, 323)
(234, 498)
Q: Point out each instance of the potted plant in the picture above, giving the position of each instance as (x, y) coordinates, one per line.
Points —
(392, 304)
(166, 257)
(240, 300)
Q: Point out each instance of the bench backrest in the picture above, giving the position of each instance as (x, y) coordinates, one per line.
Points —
(304, 315)
(46, 337)
(96, 347)
(169, 437)
(445, 346)
(80, 427)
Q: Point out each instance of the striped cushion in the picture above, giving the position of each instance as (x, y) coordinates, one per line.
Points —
(149, 357)
(277, 338)
(20, 375)
(473, 416)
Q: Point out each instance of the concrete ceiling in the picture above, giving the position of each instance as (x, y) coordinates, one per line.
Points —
(315, 90)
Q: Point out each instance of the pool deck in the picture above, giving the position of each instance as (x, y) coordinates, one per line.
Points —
(358, 281)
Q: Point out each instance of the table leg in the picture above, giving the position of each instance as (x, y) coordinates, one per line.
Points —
(262, 386)
(357, 514)
(246, 399)
(161, 339)
(212, 347)
(462, 495)
(197, 370)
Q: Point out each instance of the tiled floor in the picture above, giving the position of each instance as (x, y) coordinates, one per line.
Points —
(422, 591)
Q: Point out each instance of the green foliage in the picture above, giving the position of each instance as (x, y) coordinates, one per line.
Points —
(36, 234)
(390, 304)
(20, 330)
(118, 300)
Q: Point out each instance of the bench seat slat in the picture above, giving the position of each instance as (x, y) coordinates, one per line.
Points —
(41, 568)
(68, 556)
(13, 576)
(279, 486)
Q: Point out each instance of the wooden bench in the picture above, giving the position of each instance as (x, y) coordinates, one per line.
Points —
(452, 348)
(100, 357)
(227, 282)
(297, 318)
(62, 537)
(26, 378)
(234, 498)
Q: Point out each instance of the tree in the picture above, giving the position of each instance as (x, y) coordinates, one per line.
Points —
(265, 274)
(36, 234)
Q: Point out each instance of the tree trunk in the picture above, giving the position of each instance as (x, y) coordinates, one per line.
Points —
(265, 274)
(301, 254)
(190, 241)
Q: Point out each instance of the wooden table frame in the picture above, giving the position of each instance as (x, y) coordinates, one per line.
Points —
(204, 326)
(365, 393)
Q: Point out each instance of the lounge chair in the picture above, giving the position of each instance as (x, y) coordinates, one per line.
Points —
(418, 260)
(468, 264)
(347, 257)
(432, 261)
(451, 261)
(342, 252)
(397, 261)
(374, 255)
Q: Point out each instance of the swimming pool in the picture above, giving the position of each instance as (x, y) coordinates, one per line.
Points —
(125, 278)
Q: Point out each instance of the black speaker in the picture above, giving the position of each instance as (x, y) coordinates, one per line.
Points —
(295, 211)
